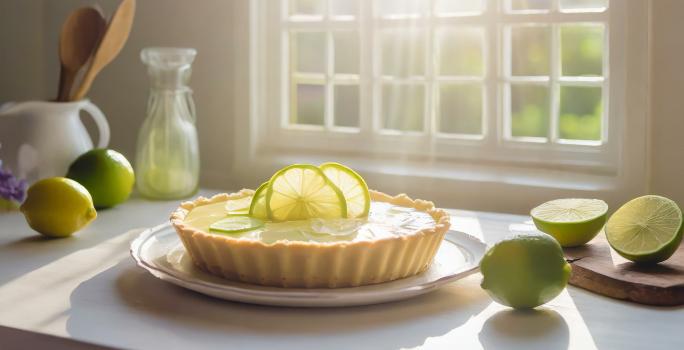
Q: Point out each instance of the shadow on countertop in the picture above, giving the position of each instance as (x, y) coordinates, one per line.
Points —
(525, 329)
(138, 304)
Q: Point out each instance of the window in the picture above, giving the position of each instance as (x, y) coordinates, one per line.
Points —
(515, 81)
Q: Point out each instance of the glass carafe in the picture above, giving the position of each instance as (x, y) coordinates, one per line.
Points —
(167, 158)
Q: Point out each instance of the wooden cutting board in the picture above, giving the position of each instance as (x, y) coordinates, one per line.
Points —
(597, 268)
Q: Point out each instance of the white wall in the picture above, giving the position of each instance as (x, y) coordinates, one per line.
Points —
(29, 68)
(29, 65)
(21, 46)
(667, 100)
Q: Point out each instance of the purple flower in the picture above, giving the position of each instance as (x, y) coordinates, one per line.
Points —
(11, 188)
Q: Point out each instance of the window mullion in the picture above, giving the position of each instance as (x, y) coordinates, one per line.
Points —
(368, 98)
(328, 118)
(492, 128)
(429, 123)
(555, 66)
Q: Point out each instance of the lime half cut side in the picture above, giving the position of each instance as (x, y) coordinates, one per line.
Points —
(646, 229)
(571, 221)
(353, 188)
(257, 208)
(302, 191)
(236, 224)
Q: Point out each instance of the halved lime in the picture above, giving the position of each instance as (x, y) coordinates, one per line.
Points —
(257, 208)
(239, 206)
(646, 229)
(302, 191)
(353, 188)
(571, 221)
(236, 224)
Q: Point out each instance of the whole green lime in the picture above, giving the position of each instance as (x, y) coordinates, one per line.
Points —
(525, 270)
(58, 207)
(106, 174)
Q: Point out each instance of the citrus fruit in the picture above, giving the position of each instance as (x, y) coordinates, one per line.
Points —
(646, 229)
(571, 221)
(106, 174)
(257, 208)
(525, 270)
(58, 207)
(302, 191)
(236, 224)
(353, 188)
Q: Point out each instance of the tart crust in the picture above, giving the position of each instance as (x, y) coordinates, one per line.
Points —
(297, 264)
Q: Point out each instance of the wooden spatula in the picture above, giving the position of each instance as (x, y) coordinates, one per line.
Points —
(79, 37)
(112, 42)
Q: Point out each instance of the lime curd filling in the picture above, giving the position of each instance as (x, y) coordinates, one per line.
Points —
(384, 220)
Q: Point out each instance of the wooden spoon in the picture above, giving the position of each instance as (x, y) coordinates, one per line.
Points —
(79, 37)
(111, 44)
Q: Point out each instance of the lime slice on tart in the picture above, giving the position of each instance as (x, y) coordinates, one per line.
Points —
(302, 191)
(646, 229)
(571, 221)
(236, 224)
(257, 208)
(353, 188)
(239, 206)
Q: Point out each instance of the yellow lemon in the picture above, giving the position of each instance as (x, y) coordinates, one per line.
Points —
(58, 207)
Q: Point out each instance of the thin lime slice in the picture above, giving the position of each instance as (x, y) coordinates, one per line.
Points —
(353, 188)
(646, 229)
(236, 224)
(257, 208)
(302, 191)
(238, 206)
(571, 221)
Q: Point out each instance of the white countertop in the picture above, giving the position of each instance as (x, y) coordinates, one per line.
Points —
(88, 288)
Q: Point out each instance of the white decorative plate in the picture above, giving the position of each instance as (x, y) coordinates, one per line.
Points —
(159, 251)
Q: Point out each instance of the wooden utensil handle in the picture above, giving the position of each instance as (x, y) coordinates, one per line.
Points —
(66, 81)
(86, 82)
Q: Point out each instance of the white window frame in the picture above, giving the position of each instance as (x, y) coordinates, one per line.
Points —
(510, 184)
(494, 145)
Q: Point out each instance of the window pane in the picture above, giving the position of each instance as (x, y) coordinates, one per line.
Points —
(580, 113)
(460, 109)
(400, 7)
(577, 5)
(347, 54)
(307, 51)
(529, 5)
(403, 52)
(529, 111)
(306, 7)
(530, 50)
(457, 7)
(460, 51)
(402, 107)
(347, 105)
(344, 7)
(582, 50)
(309, 104)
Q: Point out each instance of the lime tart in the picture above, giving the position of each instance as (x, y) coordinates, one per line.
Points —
(311, 227)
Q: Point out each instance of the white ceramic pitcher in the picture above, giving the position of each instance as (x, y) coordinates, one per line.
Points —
(40, 139)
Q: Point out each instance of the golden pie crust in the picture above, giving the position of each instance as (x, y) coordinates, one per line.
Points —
(297, 264)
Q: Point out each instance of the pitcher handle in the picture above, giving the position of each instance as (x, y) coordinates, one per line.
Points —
(100, 121)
